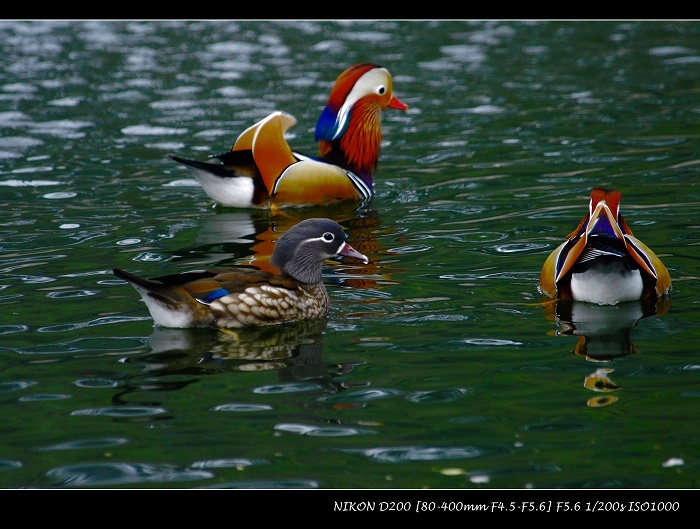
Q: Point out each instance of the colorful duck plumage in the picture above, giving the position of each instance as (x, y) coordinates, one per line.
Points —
(262, 170)
(241, 297)
(602, 262)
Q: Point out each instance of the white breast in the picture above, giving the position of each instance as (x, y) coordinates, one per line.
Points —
(607, 284)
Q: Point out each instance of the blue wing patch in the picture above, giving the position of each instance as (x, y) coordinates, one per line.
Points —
(214, 295)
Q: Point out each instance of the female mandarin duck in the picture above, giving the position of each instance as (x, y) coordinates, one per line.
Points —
(602, 262)
(246, 296)
(261, 168)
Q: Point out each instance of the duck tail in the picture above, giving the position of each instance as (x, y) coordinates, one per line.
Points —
(134, 280)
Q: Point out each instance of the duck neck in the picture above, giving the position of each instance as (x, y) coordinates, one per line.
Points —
(304, 270)
(357, 150)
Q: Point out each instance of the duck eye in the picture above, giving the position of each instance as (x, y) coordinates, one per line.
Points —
(328, 236)
(381, 90)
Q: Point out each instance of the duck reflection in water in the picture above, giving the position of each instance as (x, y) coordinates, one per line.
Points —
(180, 357)
(604, 334)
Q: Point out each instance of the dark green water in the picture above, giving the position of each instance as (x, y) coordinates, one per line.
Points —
(440, 365)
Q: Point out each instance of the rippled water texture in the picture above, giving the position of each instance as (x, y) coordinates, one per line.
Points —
(440, 366)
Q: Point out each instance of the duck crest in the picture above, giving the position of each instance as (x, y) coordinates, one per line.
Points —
(349, 129)
(344, 84)
(612, 198)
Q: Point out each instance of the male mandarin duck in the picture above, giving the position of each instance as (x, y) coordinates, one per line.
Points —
(602, 262)
(241, 297)
(261, 169)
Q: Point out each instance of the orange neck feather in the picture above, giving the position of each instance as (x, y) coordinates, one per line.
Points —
(361, 142)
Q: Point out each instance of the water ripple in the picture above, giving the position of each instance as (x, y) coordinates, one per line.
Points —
(9, 329)
(229, 463)
(7, 464)
(60, 195)
(433, 317)
(19, 142)
(495, 275)
(321, 431)
(71, 294)
(45, 396)
(92, 323)
(32, 280)
(97, 383)
(444, 395)
(416, 453)
(28, 183)
(147, 130)
(365, 395)
(286, 388)
(62, 128)
(489, 341)
(558, 426)
(6, 387)
(278, 484)
(85, 345)
(520, 247)
(242, 407)
(411, 249)
(86, 444)
(101, 474)
(121, 411)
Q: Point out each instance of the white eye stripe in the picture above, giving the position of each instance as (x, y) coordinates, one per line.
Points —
(326, 237)
(363, 86)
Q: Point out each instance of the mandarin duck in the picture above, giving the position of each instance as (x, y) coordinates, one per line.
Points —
(241, 297)
(602, 262)
(262, 170)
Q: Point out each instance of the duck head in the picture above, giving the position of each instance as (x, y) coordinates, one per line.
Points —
(349, 128)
